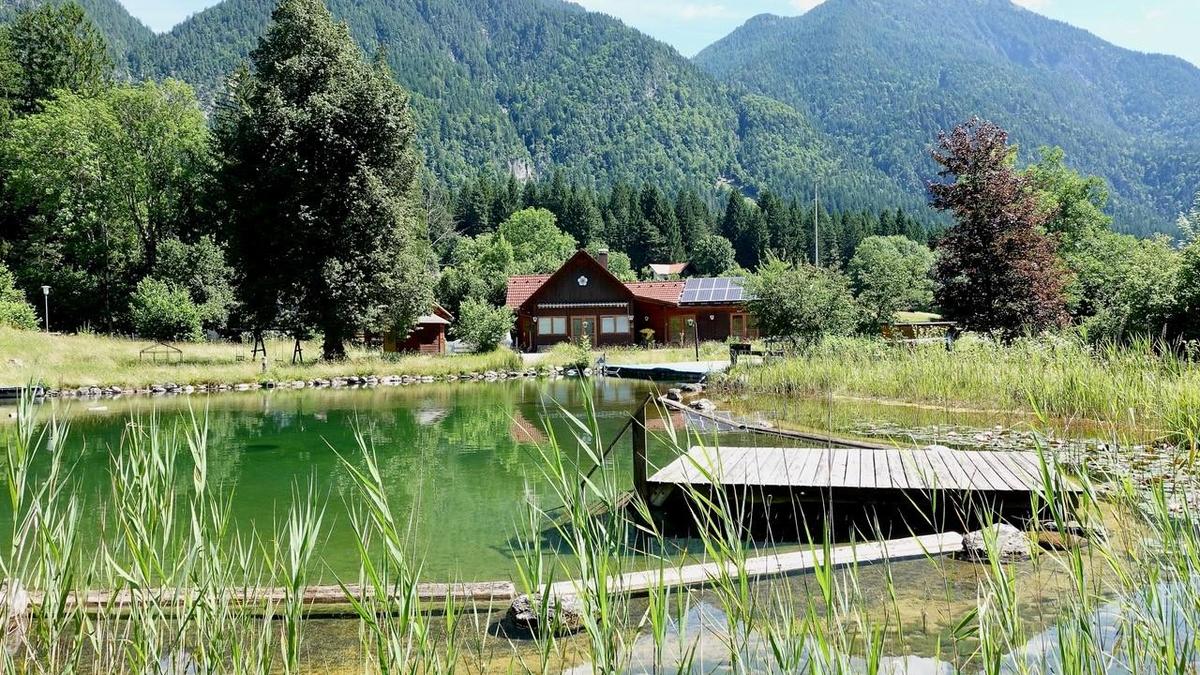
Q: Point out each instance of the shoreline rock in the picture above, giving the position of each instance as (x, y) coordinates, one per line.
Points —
(564, 615)
(339, 382)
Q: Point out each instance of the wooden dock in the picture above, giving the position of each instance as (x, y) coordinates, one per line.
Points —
(684, 371)
(859, 468)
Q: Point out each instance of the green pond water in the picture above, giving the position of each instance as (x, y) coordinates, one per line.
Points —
(459, 459)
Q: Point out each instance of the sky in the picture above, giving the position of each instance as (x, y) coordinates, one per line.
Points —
(1165, 26)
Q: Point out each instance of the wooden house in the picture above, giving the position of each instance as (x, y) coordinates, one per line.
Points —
(582, 300)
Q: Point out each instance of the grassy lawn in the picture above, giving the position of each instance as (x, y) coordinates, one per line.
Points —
(70, 361)
(66, 361)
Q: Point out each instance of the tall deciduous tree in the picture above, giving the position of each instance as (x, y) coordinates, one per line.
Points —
(998, 271)
(539, 247)
(104, 180)
(320, 173)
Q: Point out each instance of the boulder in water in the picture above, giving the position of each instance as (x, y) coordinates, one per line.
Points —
(1012, 545)
(563, 614)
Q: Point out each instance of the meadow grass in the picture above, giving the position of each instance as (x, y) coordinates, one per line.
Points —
(1135, 386)
(68, 361)
(72, 361)
(1125, 601)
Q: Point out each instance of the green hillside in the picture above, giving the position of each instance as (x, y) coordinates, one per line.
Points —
(528, 86)
(883, 76)
(127, 37)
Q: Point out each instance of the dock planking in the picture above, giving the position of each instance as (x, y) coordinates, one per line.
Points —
(860, 468)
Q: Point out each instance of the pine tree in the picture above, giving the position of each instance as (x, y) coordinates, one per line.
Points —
(661, 226)
(320, 175)
(693, 217)
(52, 48)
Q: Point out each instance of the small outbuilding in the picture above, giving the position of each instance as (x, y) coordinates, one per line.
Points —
(427, 336)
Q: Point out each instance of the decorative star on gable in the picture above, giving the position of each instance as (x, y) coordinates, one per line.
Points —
(583, 280)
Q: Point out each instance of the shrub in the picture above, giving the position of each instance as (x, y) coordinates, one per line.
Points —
(802, 303)
(891, 274)
(164, 312)
(482, 324)
(15, 312)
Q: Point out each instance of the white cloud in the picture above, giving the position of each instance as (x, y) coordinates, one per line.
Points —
(1035, 5)
(805, 5)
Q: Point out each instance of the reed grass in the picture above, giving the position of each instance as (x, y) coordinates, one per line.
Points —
(1128, 601)
(1135, 385)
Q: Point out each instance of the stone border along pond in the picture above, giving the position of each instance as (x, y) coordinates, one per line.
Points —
(339, 382)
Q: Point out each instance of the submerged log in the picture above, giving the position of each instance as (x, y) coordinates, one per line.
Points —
(268, 598)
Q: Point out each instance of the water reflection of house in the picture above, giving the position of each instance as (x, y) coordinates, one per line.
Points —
(428, 417)
(523, 431)
(583, 300)
(428, 334)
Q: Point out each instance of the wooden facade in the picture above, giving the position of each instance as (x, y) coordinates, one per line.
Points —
(582, 300)
(428, 336)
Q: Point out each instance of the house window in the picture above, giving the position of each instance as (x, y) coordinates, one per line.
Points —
(743, 326)
(552, 325)
(614, 324)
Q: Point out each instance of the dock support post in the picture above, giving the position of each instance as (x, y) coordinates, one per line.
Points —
(640, 485)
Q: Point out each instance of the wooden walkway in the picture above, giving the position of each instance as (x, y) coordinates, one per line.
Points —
(880, 469)
(776, 564)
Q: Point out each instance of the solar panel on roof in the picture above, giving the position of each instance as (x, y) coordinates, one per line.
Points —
(715, 290)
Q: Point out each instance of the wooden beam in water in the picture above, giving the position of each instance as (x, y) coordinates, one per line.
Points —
(810, 437)
(313, 596)
(776, 564)
(323, 599)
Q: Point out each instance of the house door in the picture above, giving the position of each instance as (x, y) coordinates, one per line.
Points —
(584, 327)
(679, 333)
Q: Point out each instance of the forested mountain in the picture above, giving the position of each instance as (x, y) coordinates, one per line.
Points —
(128, 38)
(530, 86)
(850, 95)
(883, 76)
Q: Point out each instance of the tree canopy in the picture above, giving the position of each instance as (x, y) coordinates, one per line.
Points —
(802, 303)
(320, 176)
(891, 274)
(997, 270)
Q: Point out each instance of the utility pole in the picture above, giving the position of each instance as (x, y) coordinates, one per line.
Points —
(816, 226)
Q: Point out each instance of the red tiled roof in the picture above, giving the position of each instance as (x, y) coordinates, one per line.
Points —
(657, 291)
(521, 286)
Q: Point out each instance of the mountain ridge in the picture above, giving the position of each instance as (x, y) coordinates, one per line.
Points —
(1127, 116)
(849, 95)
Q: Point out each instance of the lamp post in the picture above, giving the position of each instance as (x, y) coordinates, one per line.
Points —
(695, 336)
(46, 301)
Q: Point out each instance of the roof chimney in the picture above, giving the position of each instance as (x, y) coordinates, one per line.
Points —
(602, 257)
